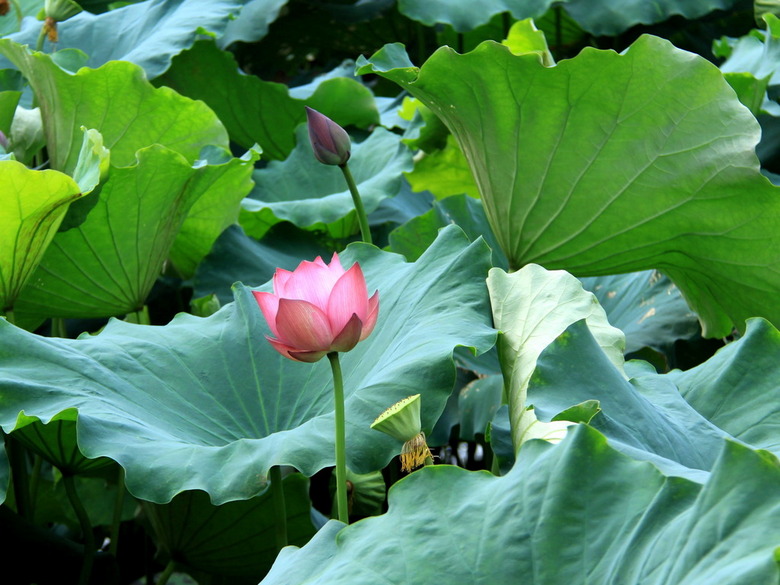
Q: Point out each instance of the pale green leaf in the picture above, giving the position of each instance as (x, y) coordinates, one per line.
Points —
(531, 308)
(127, 110)
(33, 205)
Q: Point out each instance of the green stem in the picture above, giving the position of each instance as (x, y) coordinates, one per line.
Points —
(58, 328)
(280, 508)
(365, 231)
(166, 574)
(141, 317)
(19, 14)
(86, 527)
(507, 22)
(41, 39)
(420, 43)
(35, 478)
(17, 457)
(341, 439)
(495, 469)
(119, 504)
(9, 316)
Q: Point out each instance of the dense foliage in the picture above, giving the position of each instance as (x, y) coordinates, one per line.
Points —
(576, 243)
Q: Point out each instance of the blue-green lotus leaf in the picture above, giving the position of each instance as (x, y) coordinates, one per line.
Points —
(578, 512)
(312, 195)
(148, 33)
(209, 404)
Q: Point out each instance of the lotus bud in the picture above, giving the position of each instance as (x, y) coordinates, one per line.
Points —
(329, 141)
(402, 422)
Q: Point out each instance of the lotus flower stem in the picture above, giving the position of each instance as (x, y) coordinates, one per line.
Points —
(58, 328)
(365, 231)
(19, 13)
(341, 439)
(167, 572)
(86, 527)
(41, 39)
(140, 317)
(17, 456)
(35, 478)
(9, 316)
(116, 519)
(280, 508)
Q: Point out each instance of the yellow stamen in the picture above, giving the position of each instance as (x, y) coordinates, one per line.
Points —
(415, 453)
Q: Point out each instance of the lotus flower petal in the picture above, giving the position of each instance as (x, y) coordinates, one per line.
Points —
(349, 336)
(294, 354)
(349, 296)
(303, 325)
(373, 313)
(269, 305)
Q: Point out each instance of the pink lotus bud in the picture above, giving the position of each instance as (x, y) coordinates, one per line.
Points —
(329, 141)
(3, 141)
(317, 309)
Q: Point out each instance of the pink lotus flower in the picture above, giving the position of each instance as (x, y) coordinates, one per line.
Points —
(317, 309)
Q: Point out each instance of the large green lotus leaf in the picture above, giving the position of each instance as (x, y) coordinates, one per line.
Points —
(10, 23)
(32, 205)
(107, 264)
(8, 102)
(235, 257)
(263, 112)
(253, 110)
(234, 539)
(644, 416)
(341, 96)
(307, 193)
(56, 443)
(738, 389)
(612, 163)
(576, 513)
(117, 101)
(413, 238)
(600, 17)
(646, 306)
(443, 172)
(252, 22)
(607, 18)
(209, 404)
(398, 210)
(148, 33)
(531, 308)
(214, 210)
(477, 404)
(466, 16)
(98, 496)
